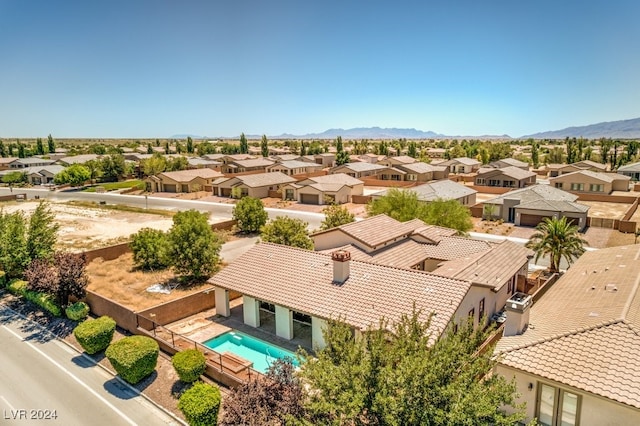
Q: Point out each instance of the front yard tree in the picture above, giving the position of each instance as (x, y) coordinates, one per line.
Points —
(154, 165)
(14, 178)
(113, 167)
(335, 215)
(250, 214)
(14, 256)
(194, 247)
(74, 175)
(449, 214)
(95, 171)
(72, 276)
(189, 145)
(264, 146)
(42, 233)
(51, 144)
(396, 375)
(558, 239)
(400, 204)
(287, 231)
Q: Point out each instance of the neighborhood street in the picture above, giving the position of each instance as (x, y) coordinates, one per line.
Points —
(45, 382)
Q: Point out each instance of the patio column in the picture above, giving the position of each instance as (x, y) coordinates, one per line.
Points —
(222, 301)
(284, 322)
(317, 339)
(251, 311)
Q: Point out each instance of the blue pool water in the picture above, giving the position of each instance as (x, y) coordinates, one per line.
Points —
(261, 353)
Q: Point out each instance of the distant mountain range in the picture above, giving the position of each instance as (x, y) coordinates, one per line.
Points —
(622, 129)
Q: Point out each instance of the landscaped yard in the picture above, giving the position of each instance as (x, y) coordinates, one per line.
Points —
(112, 186)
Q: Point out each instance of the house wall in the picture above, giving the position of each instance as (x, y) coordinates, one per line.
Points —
(594, 410)
(331, 239)
(585, 180)
(260, 192)
(620, 185)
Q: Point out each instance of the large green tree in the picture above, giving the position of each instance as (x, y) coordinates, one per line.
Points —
(194, 247)
(557, 239)
(395, 374)
(335, 215)
(113, 167)
(244, 145)
(14, 178)
(287, 231)
(154, 165)
(264, 146)
(14, 256)
(51, 145)
(74, 175)
(342, 157)
(42, 233)
(449, 214)
(189, 145)
(250, 214)
(150, 248)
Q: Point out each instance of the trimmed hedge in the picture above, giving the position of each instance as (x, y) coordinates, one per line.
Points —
(45, 301)
(78, 311)
(200, 404)
(133, 357)
(17, 287)
(189, 364)
(95, 335)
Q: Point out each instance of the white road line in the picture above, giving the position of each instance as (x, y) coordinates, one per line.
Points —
(7, 402)
(83, 384)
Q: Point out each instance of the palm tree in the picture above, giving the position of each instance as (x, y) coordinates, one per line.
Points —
(558, 239)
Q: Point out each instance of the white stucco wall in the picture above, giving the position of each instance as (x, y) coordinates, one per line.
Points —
(317, 339)
(251, 311)
(222, 301)
(284, 322)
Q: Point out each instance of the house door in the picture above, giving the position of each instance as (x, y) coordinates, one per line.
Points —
(512, 214)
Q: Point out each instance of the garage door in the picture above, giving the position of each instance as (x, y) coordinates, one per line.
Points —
(530, 219)
(573, 220)
(226, 192)
(309, 199)
(169, 188)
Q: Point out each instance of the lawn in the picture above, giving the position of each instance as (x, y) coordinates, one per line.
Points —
(112, 186)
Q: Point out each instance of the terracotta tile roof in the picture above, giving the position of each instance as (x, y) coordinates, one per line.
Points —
(534, 193)
(189, 175)
(462, 160)
(510, 171)
(491, 268)
(420, 167)
(449, 248)
(434, 233)
(592, 314)
(403, 254)
(254, 162)
(295, 164)
(341, 178)
(403, 159)
(264, 179)
(604, 177)
(378, 230)
(302, 280)
(511, 162)
(361, 167)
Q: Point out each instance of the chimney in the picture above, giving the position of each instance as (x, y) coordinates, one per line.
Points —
(341, 260)
(517, 307)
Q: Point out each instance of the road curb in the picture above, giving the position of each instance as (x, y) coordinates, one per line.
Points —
(110, 372)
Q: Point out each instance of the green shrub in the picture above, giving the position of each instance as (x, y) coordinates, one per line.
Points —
(45, 301)
(133, 357)
(78, 311)
(200, 404)
(95, 335)
(189, 364)
(3, 279)
(17, 287)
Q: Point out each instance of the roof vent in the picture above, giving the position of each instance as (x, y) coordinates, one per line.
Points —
(610, 288)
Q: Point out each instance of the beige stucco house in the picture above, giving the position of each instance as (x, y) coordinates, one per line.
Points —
(77, 159)
(632, 170)
(591, 182)
(359, 170)
(294, 167)
(254, 185)
(182, 181)
(505, 177)
(509, 162)
(563, 169)
(462, 165)
(575, 353)
(250, 165)
(337, 188)
(444, 189)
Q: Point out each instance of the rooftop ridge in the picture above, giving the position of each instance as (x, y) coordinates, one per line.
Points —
(634, 291)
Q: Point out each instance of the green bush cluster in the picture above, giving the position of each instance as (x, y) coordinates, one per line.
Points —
(189, 364)
(95, 335)
(200, 404)
(3, 278)
(134, 357)
(77, 311)
(44, 301)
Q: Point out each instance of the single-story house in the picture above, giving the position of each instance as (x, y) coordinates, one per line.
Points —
(253, 164)
(337, 188)
(591, 182)
(562, 169)
(509, 162)
(6, 161)
(575, 353)
(137, 157)
(398, 160)
(632, 170)
(359, 170)
(444, 189)
(462, 165)
(255, 185)
(529, 206)
(227, 158)
(183, 180)
(423, 172)
(77, 159)
(200, 163)
(23, 163)
(42, 175)
(436, 152)
(506, 177)
(294, 167)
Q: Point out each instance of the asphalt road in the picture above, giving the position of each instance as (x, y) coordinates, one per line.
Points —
(219, 211)
(45, 382)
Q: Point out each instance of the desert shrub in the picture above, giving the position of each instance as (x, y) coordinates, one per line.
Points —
(189, 364)
(200, 404)
(17, 287)
(45, 301)
(134, 357)
(78, 311)
(95, 335)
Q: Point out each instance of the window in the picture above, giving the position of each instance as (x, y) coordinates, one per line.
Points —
(596, 187)
(577, 186)
(481, 309)
(494, 182)
(412, 177)
(559, 185)
(557, 407)
(480, 181)
(472, 314)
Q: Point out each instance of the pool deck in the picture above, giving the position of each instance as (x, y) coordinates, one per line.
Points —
(207, 324)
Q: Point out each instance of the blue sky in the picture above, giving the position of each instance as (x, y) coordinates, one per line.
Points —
(141, 68)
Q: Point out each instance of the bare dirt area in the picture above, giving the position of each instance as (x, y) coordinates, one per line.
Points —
(84, 228)
(495, 227)
(606, 210)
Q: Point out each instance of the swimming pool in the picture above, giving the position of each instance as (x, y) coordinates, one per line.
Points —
(261, 353)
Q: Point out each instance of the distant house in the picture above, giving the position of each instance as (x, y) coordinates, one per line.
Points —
(509, 162)
(632, 170)
(394, 161)
(563, 169)
(6, 161)
(294, 167)
(183, 181)
(250, 165)
(436, 152)
(77, 159)
(337, 188)
(574, 354)
(23, 163)
(591, 182)
(443, 189)
(200, 163)
(360, 170)
(461, 165)
(506, 177)
(254, 185)
(531, 205)
(42, 175)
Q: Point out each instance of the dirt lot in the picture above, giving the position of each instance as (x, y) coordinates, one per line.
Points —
(90, 228)
(606, 210)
